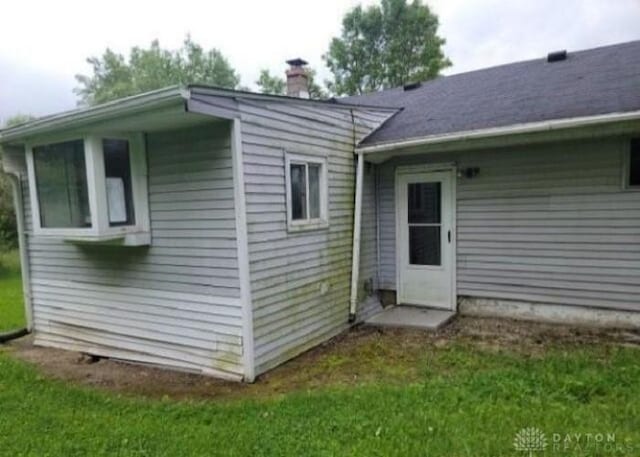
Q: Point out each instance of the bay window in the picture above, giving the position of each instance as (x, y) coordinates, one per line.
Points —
(91, 189)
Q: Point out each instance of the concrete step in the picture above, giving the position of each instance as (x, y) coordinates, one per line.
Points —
(404, 316)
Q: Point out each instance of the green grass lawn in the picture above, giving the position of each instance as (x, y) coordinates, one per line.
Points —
(415, 397)
(466, 401)
(11, 304)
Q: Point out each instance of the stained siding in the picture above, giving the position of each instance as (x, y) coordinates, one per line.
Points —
(545, 224)
(289, 271)
(175, 303)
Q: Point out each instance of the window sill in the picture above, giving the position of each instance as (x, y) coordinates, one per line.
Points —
(307, 226)
(120, 239)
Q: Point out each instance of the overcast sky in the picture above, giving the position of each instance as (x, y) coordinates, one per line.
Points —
(43, 44)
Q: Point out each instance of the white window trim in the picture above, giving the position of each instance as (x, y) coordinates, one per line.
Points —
(308, 224)
(100, 230)
(626, 167)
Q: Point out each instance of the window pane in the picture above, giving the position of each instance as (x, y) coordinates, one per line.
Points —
(314, 191)
(118, 181)
(424, 245)
(298, 192)
(634, 163)
(61, 183)
(424, 203)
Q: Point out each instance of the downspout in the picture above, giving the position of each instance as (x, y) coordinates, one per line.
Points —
(357, 220)
(377, 209)
(15, 179)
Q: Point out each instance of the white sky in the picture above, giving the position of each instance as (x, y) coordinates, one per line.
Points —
(43, 44)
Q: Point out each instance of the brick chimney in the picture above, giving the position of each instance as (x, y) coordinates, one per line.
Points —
(297, 79)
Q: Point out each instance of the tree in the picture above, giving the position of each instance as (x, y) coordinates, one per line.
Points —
(384, 46)
(270, 84)
(18, 119)
(8, 224)
(115, 76)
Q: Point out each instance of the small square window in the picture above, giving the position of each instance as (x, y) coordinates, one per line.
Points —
(634, 163)
(306, 191)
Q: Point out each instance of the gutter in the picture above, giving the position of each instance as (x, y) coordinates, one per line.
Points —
(493, 132)
(15, 179)
(110, 110)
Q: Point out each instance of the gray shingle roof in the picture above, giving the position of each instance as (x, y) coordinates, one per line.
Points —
(595, 81)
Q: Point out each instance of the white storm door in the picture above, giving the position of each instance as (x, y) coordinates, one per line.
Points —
(425, 212)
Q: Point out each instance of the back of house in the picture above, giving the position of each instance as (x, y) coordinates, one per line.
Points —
(513, 190)
(225, 232)
(156, 228)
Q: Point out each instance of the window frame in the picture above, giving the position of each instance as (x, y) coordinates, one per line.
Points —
(626, 168)
(308, 223)
(100, 229)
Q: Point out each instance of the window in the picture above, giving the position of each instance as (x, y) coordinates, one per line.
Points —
(61, 174)
(90, 189)
(117, 170)
(306, 191)
(633, 179)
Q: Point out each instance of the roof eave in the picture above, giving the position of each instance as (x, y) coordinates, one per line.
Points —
(106, 111)
(469, 136)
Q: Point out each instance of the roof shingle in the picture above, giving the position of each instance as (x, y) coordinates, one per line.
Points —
(591, 82)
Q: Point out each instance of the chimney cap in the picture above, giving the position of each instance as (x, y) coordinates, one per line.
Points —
(297, 62)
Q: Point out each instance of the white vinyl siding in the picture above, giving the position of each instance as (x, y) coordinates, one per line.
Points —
(548, 223)
(175, 303)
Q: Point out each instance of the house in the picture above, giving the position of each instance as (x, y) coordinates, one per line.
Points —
(225, 232)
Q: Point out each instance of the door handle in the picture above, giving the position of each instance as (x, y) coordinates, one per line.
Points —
(449, 235)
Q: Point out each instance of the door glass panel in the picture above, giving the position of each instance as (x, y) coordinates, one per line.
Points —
(424, 245)
(424, 203)
(424, 223)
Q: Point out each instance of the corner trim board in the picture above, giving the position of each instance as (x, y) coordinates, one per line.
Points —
(243, 251)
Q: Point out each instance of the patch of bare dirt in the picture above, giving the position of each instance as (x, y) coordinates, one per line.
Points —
(362, 355)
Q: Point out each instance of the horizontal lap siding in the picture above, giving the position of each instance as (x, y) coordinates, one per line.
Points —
(545, 224)
(290, 270)
(175, 303)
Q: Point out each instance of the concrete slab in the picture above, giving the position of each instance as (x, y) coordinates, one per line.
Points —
(411, 317)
